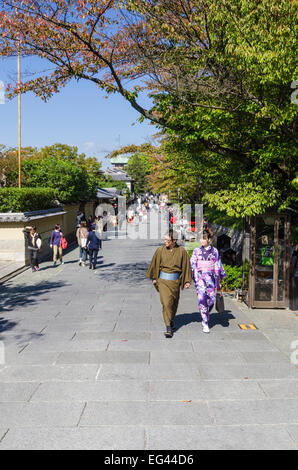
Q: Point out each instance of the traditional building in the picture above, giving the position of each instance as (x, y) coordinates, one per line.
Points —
(117, 172)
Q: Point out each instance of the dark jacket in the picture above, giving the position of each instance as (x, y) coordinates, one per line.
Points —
(93, 242)
(31, 242)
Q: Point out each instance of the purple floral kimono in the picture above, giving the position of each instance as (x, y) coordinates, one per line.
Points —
(207, 270)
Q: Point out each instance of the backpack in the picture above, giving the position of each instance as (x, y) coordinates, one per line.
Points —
(63, 243)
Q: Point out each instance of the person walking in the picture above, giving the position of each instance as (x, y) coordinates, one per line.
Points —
(99, 226)
(130, 215)
(207, 271)
(80, 217)
(170, 270)
(205, 223)
(34, 242)
(82, 235)
(55, 243)
(183, 228)
(94, 245)
(90, 222)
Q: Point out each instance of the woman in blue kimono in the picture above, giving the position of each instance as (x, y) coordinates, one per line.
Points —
(207, 270)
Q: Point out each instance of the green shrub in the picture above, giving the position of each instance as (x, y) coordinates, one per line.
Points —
(233, 280)
(67, 179)
(26, 199)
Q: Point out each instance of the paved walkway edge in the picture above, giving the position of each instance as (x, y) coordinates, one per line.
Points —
(14, 273)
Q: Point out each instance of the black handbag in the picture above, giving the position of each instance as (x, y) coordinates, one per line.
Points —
(219, 302)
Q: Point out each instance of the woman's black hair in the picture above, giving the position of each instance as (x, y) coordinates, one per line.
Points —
(208, 233)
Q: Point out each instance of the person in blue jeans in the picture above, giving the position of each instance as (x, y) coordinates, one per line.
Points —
(94, 245)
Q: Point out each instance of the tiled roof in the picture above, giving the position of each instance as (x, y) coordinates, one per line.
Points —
(27, 216)
(118, 175)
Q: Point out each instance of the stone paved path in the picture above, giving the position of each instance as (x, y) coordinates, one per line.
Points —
(87, 366)
(9, 269)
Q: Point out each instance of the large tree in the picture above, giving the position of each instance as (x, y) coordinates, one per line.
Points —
(220, 73)
(72, 175)
(9, 163)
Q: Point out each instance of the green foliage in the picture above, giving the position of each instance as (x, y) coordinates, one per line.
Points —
(108, 182)
(220, 75)
(68, 181)
(233, 280)
(73, 176)
(214, 216)
(232, 111)
(26, 199)
(191, 246)
(139, 168)
(9, 163)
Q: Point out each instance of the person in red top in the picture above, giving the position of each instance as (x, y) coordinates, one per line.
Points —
(173, 220)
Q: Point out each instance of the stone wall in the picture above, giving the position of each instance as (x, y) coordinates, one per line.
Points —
(235, 235)
(12, 242)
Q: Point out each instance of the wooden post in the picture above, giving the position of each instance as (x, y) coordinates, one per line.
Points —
(287, 260)
(252, 268)
(243, 253)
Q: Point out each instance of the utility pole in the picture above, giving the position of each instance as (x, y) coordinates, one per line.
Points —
(19, 107)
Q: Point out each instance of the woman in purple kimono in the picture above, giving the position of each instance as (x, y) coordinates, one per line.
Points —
(207, 270)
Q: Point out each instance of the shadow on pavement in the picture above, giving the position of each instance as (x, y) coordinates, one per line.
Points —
(129, 273)
(222, 319)
(6, 325)
(14, 296)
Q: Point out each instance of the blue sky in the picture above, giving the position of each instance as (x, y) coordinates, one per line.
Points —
(79, 115)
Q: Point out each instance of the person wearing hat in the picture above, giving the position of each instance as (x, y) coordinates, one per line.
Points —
(170, 270)
(94, 245)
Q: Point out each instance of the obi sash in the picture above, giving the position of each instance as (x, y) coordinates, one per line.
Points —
(169, 276)
(203, 265)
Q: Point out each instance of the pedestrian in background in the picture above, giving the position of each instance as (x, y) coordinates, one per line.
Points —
(90, 222)
(183, 228)
(80, 217)
(99, 227)
(205, 223)
(82, 235)
(55, 243)
(130, 215)
(34, 242)
(94, 245)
